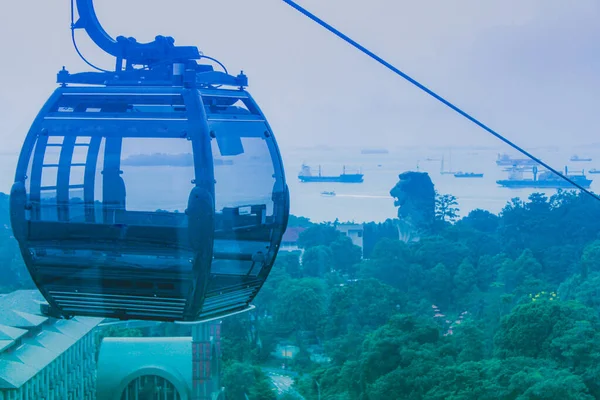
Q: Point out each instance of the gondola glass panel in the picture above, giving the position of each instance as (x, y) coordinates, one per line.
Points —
(244, 181)
(148, 205)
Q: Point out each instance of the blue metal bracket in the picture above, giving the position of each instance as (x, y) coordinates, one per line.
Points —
(161, 50)
(158, 63)
(202, 76)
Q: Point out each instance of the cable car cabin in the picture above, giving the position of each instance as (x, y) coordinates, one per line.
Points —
(162, 203)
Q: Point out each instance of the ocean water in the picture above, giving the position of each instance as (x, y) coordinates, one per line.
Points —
(370, 200)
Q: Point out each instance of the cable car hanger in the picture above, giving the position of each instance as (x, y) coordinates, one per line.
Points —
(159, 62)
(95, 247)
(430, 92)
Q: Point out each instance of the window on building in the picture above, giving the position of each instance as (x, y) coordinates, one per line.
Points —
(150, 387)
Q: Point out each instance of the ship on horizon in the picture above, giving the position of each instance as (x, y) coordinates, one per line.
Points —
(545, 180)
(328, 193)
(505, 159)
(306, 175)
(374, 151)
(461, 174)
(577, 158)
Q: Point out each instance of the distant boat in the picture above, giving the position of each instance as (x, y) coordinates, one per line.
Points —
(220, 161)
(577, 158)
(374, 151)
(468, 175)
(505, 159)
(545, 180)
(306, 175)
(328, 194)
(594, 171)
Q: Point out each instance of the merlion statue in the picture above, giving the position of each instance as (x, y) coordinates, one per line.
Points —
(415, 196)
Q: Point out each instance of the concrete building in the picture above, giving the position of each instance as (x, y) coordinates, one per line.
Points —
(289, 241)
(354, 231)
(285, 351)
(165, 368)
(42, 357)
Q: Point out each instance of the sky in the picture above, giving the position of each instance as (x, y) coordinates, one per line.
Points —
(528, 68)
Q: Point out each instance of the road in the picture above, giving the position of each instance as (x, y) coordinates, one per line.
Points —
(282, 383)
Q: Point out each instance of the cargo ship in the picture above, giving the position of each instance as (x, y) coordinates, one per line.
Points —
(306, 175)
(545, 180)
(505, 159)
(594, 171)
(468, 175)
(577, 158)
(328, 194)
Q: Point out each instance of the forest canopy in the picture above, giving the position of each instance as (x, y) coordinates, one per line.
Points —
(485, 306)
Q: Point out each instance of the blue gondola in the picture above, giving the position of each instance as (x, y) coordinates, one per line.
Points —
(155, 191)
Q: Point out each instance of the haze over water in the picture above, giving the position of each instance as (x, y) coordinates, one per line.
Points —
(371, 201)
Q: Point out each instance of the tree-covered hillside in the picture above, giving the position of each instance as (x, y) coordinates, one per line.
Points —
(485, 307)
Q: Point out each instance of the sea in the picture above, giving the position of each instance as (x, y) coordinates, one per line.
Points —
(371, 200)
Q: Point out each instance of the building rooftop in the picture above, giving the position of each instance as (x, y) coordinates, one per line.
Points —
(123, 359)
(349, 225)
(291, 235)
(29, 341)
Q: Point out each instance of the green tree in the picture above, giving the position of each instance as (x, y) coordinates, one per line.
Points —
(440, 285)
(584, 290)
(513, 378)
(345, 255)
(488, 267)
(238, 379)
(523, 273)
(300, 222)
(266, 300)
(262, 390)
(376, 232)
(288, 396)
(236, 338)
(481, 220)
(290, 263)
(470, 341)
(317, 261)
(116, 331)
(300, 305)
(394, 345)
(446, 207)
(565, 332)
(434, 250)
(390, 263)
(559, 262)
(363, 305)
(465, 278)
(318, 235)
(590, 259)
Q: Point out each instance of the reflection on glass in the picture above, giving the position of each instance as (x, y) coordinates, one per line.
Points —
(158, 173)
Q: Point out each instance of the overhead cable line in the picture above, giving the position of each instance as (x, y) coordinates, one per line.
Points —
(432, 93)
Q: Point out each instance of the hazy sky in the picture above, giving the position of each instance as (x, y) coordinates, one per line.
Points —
(529, 68)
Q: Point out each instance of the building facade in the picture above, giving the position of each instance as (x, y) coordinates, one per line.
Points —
(289, 241)
(354, 231)
(42, 357)
(165, 368)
